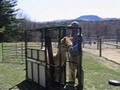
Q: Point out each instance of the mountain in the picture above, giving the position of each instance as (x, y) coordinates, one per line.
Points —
(111, 18)
(89, 18)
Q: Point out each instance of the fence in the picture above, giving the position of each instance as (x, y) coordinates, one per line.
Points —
(104, 43)
(12, 52)
(107, 48)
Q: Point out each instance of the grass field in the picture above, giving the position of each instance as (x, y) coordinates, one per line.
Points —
(10, 74)
(97, 72)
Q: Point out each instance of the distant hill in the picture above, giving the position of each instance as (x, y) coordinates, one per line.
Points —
(89, 18)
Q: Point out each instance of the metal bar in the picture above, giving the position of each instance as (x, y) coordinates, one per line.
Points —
(48, 46)
(16, 50)
(100, 47)
(38, 67)
(22, 51)
(98, 43)
(42, 32)
(54, 28)
(60, 59)
(117, 43)
(2, 52)
(64, 67)
(25, 40)
(80, 68)
(32, 70)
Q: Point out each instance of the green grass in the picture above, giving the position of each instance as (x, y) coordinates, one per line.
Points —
(97, 72)
(10, 75)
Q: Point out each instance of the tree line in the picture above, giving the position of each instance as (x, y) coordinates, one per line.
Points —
(107, 29)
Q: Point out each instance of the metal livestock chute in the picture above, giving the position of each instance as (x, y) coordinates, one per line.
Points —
(40, 45)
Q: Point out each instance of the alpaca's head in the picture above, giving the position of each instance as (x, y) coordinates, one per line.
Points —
(66, 42)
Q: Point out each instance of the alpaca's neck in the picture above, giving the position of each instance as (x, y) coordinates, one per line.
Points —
(60, 55)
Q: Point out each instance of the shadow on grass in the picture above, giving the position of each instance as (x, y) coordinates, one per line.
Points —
(30, 85)
(27, 85)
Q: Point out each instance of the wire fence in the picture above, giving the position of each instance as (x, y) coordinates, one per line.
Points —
(107, 48)
(105, 43)
(12, 52)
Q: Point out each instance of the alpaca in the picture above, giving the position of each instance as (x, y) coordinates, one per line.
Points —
(60, 58)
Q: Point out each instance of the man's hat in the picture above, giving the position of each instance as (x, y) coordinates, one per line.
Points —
(74, 24)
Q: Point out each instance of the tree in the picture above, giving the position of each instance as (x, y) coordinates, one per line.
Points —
(7, 12)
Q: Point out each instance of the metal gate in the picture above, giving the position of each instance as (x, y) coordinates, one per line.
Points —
(40, 45)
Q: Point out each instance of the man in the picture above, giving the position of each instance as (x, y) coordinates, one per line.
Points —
(74, 54)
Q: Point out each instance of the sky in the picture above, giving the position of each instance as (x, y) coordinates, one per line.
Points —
(49, 10)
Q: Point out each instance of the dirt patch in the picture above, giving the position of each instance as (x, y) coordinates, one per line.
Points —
(110, 57)
(111, 54)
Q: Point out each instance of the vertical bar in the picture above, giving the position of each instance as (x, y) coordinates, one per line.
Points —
(80, 68)
(98, 43)
(38, 66)
(64, 67)
(65, 72)
(46, 69)
(100, 47)
(26, 64)
(2, 52)
(64, 32)
(48, 46)
(16, 56)
(60, 69)
(117, 38)
(22, 48)
(32, 64)
(22, 51)
(32, 70)
(116, 43)
(42, 32)
(31, 53)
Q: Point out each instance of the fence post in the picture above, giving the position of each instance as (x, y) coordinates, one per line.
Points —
(16, 50)
(116, 43)
(100, 47)
(98, 43)
(22, 54)
(2, 51)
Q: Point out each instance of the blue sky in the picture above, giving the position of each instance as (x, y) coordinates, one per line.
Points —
(48, 10)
